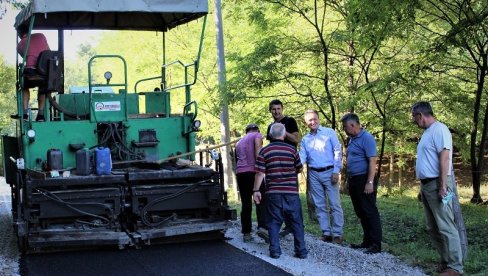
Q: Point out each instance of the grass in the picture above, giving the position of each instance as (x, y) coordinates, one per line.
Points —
(404, 233)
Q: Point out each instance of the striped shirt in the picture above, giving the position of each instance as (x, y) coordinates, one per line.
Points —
(280, 162)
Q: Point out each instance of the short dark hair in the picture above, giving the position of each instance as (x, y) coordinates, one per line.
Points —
(423, 108)
(350, 117)
(23, 29)
(251, 127)
(275, 102)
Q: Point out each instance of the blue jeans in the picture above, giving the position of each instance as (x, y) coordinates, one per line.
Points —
(324, 192)
(278, 208)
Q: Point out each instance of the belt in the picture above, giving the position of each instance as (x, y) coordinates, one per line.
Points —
(427, 180)
(322, 169)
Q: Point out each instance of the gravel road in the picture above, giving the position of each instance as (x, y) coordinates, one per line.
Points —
(323, 258)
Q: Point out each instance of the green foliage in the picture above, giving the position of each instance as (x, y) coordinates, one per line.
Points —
(7, 96)
(375, 58)
(18, 4)
(76, 72)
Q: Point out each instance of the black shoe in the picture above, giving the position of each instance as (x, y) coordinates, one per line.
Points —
(16, 116)
(326, 238)
(274, 255)
(303, 256)
(337, 240)
(358, 245)
(40, 118)
(373, 249)
(441, 267)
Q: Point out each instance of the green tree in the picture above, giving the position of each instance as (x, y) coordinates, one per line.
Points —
(7, 94)
(15, 3)
(459, 31)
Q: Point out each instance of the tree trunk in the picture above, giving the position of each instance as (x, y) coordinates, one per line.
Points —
(477, 166)
(390, 175)
(382, 149)
(400, 175)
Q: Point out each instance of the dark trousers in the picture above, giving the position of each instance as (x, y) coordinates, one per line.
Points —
(280, 207)
(245, 182)
(365, 208)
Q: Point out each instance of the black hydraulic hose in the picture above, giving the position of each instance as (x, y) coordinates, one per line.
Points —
(56, 106)
(150, 204)
(54, 197)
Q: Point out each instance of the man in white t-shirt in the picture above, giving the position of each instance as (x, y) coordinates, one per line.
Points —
(433, 168)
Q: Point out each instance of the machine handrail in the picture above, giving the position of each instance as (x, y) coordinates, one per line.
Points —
(146, 79)
(186, 109)
(185, 66)
(90, 85)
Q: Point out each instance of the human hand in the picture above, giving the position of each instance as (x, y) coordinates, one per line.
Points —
(335, 178)
(442, 191)
(257, 197)
(368, 188)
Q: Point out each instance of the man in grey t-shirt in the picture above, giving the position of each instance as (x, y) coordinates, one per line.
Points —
(433, 168)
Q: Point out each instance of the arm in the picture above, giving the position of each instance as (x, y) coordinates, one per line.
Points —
(303, 152)
(443, 145)
(369, 188)
(443, 171)
(258, 179)
(337, 148)
(291, 127)
(258, 144)
(294, 137)
(20, 48)
(298, 164)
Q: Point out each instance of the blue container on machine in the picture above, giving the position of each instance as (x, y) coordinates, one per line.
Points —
(103, 161)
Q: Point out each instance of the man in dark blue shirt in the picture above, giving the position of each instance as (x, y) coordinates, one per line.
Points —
(361, 167)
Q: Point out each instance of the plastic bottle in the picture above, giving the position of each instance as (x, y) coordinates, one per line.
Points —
(103, 161)
(54, 160)
(83, 164)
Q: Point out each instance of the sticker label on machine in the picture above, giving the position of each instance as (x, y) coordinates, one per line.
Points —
(107, 106)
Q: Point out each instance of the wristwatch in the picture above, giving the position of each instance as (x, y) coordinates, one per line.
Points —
(370, 182)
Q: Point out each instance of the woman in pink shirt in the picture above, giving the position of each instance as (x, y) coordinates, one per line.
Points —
(246, 151)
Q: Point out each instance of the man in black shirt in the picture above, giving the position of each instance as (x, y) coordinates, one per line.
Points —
(292, 137)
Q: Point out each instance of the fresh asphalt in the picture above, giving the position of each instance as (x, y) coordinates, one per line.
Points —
(192, 258)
